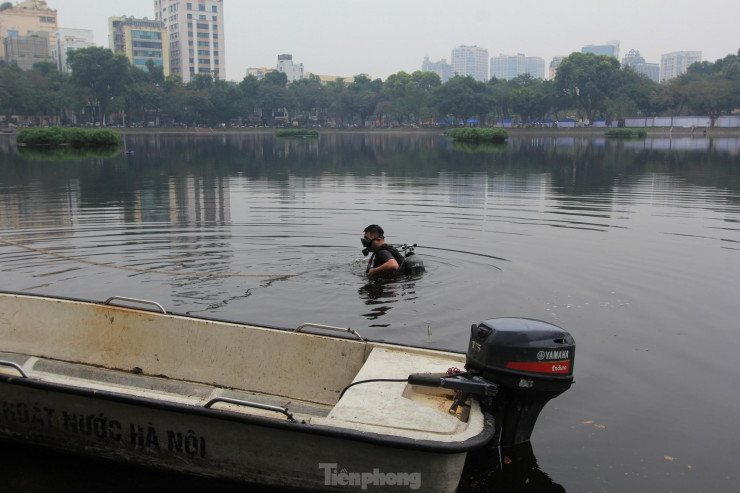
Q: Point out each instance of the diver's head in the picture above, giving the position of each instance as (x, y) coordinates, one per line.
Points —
(372, 239)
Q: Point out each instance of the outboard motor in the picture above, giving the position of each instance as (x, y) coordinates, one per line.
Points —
(530, 361)
(515, 365)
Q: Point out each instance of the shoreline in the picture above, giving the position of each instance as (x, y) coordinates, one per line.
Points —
(586, 132)
(580, 132)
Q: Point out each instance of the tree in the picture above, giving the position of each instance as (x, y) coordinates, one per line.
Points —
(104, 74)
(529, 98)
(463, 97)
(307, 95)
(589, 79)
(224, 98)
(10, 87)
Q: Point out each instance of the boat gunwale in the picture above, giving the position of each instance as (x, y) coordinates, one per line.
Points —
(339, 335)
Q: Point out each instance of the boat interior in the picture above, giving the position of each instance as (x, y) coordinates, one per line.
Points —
(281, 374)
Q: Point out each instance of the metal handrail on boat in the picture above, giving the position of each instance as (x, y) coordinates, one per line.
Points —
(256, 405)
(329, 327)
(135, 300)
(14, 365)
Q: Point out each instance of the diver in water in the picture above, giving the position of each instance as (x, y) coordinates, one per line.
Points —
(385, 260)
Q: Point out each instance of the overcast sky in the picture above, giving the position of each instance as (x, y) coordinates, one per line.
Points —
(382, 37)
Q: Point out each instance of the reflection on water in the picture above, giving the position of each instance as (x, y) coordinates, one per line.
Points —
(506, 469)
(632, 246)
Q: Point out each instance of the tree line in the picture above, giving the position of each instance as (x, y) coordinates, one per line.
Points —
(105, 88)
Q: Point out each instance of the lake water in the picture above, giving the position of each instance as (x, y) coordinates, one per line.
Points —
(631, 246)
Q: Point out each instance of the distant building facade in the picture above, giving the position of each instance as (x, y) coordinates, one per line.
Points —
(195, 31)
(26, 51)
(293, 71)
(610, 48)
(507, 67)
(259, 72)
(470, 60)
(326, 79)
(30, 17)
(554, 64)
(677, 63)
(69, 40)
(637, 63)
(441, 68)
(140, 40)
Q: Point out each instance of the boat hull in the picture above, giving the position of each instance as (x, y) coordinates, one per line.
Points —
(214, 444)
(211, 398)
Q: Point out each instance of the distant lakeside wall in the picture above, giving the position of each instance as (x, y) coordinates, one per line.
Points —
(584, 132)
(590, 132)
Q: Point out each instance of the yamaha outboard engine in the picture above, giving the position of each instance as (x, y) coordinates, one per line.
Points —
(515, 365)
(530, 362)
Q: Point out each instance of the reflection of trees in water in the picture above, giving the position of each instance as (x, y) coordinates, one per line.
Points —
(577, 166)
(505, 470)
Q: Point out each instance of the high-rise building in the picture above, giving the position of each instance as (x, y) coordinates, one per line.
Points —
(28, 50)
(195, 29)
(610, 48)
(140, 40)
(507, 67)
(293, 71)
(470, 60)
(441, 68)
(70, 40)
(30, 17)
(554, 64)
(677, 63)
(637, 63)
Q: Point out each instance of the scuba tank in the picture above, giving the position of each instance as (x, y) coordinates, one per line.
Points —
(412, 264)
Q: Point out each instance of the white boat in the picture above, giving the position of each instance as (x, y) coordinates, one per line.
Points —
(260, 404)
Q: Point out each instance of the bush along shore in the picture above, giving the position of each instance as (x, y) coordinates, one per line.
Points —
(296, 132)
(627, 133)
(478, 134)
(74, 137)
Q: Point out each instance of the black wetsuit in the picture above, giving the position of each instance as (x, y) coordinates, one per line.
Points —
(384, 254)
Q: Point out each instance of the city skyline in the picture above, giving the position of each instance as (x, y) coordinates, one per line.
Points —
(347, 38)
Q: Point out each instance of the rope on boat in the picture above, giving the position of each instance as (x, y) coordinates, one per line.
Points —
(137, 269)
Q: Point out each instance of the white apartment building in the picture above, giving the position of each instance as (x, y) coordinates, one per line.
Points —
(470, 60)
(507, 67)
(69, 40)
(674, 64)
(293, 71)
(196, 36)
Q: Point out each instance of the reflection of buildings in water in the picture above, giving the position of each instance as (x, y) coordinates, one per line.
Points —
(196, 200)
(484, 193)
(7, 144)
(730, 146)
(32, 206)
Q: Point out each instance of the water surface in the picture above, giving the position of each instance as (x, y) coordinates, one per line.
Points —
(633, 247)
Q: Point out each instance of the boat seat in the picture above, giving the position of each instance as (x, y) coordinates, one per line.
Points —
(397, 404)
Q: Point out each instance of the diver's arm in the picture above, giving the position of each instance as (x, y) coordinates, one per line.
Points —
(389, 267)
